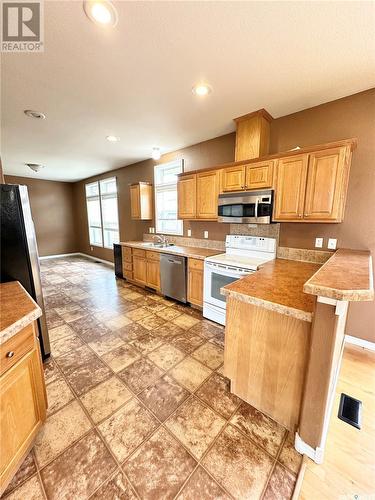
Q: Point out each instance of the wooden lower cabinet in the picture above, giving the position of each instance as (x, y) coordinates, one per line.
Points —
(139, 269)
(142, 266)
(195, 281)
(23, 406)
(153, 270)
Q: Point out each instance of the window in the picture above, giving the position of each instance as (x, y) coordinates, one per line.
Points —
(102, 212)
(165, 180)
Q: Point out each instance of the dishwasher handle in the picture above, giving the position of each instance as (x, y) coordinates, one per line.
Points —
(173, 261)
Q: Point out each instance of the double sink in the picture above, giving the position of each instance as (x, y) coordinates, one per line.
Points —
(150, 244)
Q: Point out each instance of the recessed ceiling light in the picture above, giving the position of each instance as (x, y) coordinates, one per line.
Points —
(156, 153)
(36, 167)
(112, 138)
(101, 12)
(35, 114)
(201, 89)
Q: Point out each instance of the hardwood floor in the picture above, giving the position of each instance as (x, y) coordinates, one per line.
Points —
(349, 465)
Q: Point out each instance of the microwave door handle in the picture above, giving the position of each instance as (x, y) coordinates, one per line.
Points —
(256, 208)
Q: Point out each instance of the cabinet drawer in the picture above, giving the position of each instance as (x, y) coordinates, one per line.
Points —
(16, 347)
(128, 258)
(139, 253)
(152, 255)
(195, 264)
(127, 250)
(127, 266)
(128, 274)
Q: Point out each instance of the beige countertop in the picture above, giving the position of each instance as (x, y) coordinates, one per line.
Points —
(289, 287)
(278, 286)
(17, 309)
(193, 252)
(347, 275)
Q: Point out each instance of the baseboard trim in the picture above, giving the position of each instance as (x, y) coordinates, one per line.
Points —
(91, 257)
(366, 344)
(58, 256)
(316, 454)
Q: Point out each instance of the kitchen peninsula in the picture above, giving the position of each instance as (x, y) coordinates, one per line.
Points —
(285, 335)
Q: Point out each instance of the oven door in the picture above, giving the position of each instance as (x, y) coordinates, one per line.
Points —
(215, 277)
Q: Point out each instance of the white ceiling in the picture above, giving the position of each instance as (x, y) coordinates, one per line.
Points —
(135, 80)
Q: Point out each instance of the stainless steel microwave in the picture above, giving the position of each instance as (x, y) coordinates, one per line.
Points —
(251, 207)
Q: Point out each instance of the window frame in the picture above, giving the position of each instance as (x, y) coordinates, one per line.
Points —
(100, 196)
(163, 187)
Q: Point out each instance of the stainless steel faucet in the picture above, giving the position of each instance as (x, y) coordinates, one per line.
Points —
(162, 238)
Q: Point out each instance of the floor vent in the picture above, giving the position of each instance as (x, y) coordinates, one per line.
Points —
(350, 410)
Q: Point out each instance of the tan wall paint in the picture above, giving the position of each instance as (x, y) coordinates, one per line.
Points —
(52, 207)
(349, 117)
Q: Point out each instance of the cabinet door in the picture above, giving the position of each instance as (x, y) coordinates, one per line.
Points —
(139, 269)
(135, 202)
(259, 175)
(234, 178)
(290, 188)
(326, 185)
(153, 274)
(187, 197)
(207, 194)
(23, 409)
(195, 282)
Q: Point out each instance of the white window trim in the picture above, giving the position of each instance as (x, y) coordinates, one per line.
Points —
(99, 196)
(165, 187)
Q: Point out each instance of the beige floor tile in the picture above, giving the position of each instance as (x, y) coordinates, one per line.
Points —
(133, 295)
(127, 429)
(118, 487)
(190, 373)
(166, 356)
(281, 484)
(60, 332)
(147, 344)
(138, 314)
(121, 357)
(238, 464)
(168, 313)
(185, 321)
(196, 426)
(79, 471)
(151, 322)
(210, 355)
(117, 322)
(106, 343)
(201, 485)
(159, 467)
(216, 393)
(140, 374)
(60, 431)
(27, 469)
(105, 399)
(65, 345)
(29, 490)
(289, 456)
(58, 395)
(261, 429)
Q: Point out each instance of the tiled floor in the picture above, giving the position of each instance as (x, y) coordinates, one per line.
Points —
(138, 405)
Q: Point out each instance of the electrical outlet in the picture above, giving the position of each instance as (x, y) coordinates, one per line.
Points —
(318, 242)
(205, 234)
(189, 232)
(332, 242)
(151, 230)
(92, 249)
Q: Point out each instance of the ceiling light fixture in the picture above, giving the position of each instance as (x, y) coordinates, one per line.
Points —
(101, 12)
(112, 138)
(35, 114)
(156, 153)
(36, 167)
(201, 89)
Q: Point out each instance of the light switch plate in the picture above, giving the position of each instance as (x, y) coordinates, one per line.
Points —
(205, 234)
(189, 232)
(318, 242)
(332, 242)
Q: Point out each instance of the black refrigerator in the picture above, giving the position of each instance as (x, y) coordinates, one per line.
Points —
(19, 251)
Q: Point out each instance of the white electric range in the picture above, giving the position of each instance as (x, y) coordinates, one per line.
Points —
(243, 255)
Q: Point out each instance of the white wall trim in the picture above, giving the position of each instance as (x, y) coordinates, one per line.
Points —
(91, 257)
(366, 344)
(316, 454)
(58, 256)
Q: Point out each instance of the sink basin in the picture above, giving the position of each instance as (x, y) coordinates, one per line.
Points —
(156, 245)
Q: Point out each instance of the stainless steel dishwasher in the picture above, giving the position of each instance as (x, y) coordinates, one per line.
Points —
(173, 276)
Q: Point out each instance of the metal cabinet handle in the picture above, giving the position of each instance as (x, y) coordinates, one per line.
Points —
(10, 354)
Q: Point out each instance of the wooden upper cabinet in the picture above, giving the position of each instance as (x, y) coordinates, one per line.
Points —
(207, 194)
(259, 175)
(327, 180)
(234, 178)
(290, 188)
(252, 135)
(187, 196)
(141, 201)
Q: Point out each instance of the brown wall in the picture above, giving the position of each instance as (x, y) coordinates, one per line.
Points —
(52, 207)
(349, 117)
